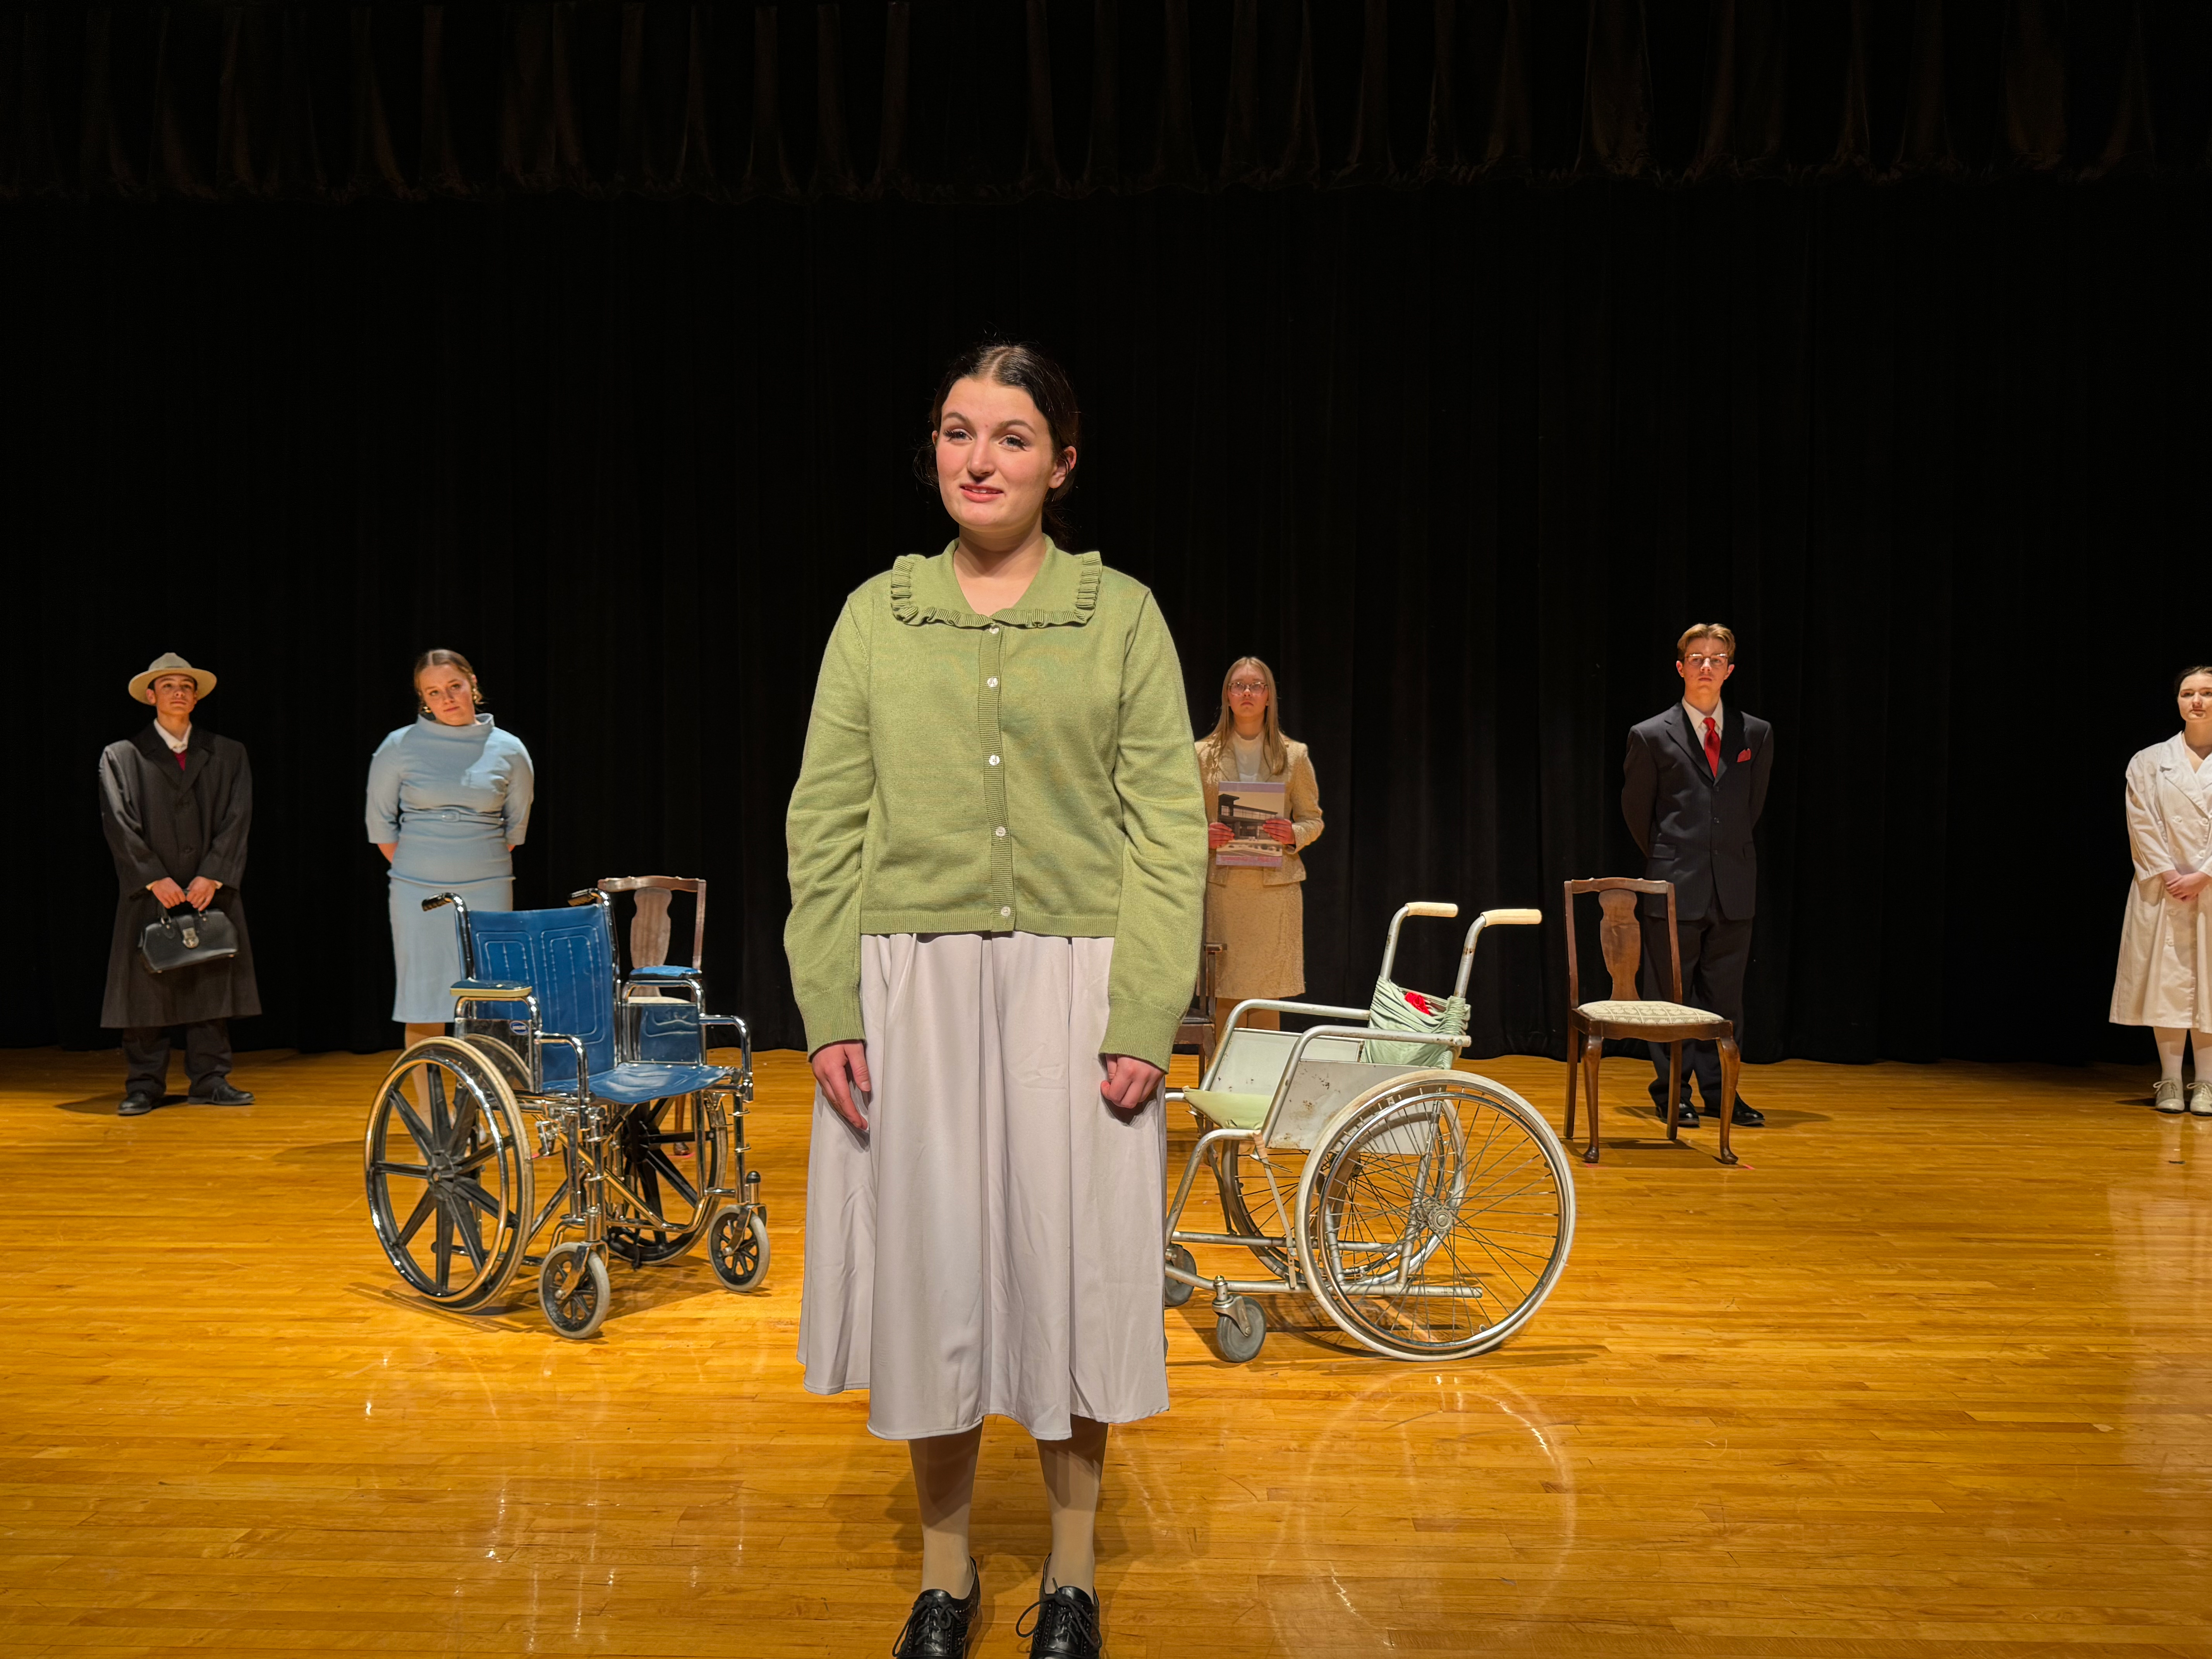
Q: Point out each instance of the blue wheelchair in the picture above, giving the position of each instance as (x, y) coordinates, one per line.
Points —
(558, 1067)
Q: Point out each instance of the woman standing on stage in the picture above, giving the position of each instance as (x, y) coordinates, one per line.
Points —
(2165, 978)
(1257, 913)
(448, 801)
(997, 858)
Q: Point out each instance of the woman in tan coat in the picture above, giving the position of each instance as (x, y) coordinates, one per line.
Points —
(1256, 914)
(2165, 977)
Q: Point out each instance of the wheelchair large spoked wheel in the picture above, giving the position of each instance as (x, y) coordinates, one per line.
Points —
(447, 1167)
(671, 1153)
(1435, 1216)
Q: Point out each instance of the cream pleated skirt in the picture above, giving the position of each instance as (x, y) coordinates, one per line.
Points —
(991, 1246)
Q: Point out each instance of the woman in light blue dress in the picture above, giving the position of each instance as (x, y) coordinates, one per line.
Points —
(448, 801)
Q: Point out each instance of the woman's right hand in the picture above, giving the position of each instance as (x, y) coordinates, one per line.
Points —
(2186, 887)
(1219, 835)
(842, 1069)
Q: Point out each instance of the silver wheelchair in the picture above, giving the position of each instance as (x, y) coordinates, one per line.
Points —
(558, 1067)
(1428, 1210)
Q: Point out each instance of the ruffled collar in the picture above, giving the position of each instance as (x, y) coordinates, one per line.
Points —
(475, 731)
(1064, 594)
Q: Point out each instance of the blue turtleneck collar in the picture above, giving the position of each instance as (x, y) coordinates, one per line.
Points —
(477, 731)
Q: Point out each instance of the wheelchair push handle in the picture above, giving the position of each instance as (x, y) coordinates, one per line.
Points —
(1508, 918)
(1418, 908)
(468, 937)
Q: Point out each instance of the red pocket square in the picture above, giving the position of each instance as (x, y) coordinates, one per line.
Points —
(1744, 756)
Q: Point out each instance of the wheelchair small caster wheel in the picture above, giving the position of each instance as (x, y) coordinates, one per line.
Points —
(1177, 1292)
(1239, 1334)
(738, 1246)
(572, 1289)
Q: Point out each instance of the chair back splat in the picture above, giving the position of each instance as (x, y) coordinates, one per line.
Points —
(1621, 940)
(649, 926)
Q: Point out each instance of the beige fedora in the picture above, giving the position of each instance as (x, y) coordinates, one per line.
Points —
(141, 686)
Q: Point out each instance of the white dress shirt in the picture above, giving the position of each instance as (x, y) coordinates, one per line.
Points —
(177, 746)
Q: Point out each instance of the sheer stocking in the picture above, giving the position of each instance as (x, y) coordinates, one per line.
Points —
(1074, 1469)
(945, 1484)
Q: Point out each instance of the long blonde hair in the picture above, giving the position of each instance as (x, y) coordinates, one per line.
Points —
(1272, 746)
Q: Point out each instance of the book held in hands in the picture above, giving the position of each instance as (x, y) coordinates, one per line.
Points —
(1245, 806)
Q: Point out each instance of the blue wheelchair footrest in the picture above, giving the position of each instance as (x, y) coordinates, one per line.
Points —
(635, 1084)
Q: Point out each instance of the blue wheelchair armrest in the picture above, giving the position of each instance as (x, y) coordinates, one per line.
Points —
(665, 970)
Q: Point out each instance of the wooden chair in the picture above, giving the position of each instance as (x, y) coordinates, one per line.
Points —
(1627, 1015)
(1197, 1030)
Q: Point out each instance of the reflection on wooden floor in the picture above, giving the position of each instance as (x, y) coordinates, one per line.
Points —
(1931, 1373)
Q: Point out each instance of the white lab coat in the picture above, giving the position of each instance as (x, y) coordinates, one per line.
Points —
(2165, 976)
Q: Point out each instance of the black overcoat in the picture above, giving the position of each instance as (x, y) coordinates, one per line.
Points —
(180, 822)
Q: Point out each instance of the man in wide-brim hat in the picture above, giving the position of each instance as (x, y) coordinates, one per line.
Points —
(176, 802)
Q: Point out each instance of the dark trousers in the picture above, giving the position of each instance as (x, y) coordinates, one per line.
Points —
(146, 1052)
(1714, 953)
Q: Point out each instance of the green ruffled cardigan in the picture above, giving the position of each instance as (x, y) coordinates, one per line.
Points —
(1029, 771)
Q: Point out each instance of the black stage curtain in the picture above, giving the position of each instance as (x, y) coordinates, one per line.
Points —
(1458, 457)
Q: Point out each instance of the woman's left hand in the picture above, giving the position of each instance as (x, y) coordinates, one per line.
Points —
(1130, 1082)
(2189, 886)
(1282, 829)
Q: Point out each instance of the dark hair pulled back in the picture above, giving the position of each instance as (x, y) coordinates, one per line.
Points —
(2180, 679)
(1024, 367)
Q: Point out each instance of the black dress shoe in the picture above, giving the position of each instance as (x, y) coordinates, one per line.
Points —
(136, 1106)
(1066, 1626)
(221, 1094)
(938, 1626)
(1686, 1118)
(1748, 1117)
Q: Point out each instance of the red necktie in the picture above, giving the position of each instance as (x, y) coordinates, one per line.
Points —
(1712, 748)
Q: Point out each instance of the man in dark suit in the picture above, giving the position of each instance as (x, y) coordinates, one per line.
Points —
(1691, 789)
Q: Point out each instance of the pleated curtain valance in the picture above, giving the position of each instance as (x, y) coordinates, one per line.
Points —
(983, 100)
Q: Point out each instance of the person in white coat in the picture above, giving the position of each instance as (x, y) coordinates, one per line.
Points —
(2165, 977)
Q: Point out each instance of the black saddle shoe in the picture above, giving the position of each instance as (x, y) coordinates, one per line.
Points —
(136, 1106)
(1686, 1118)
(1748, 1117)
(941, 1623)
(221, 1092)
(1066, 1626)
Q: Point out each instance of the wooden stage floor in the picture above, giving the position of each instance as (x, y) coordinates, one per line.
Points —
(1930, 1374)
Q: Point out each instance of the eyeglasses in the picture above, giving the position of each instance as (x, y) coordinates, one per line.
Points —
(1249, 688)
(1694, 660)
